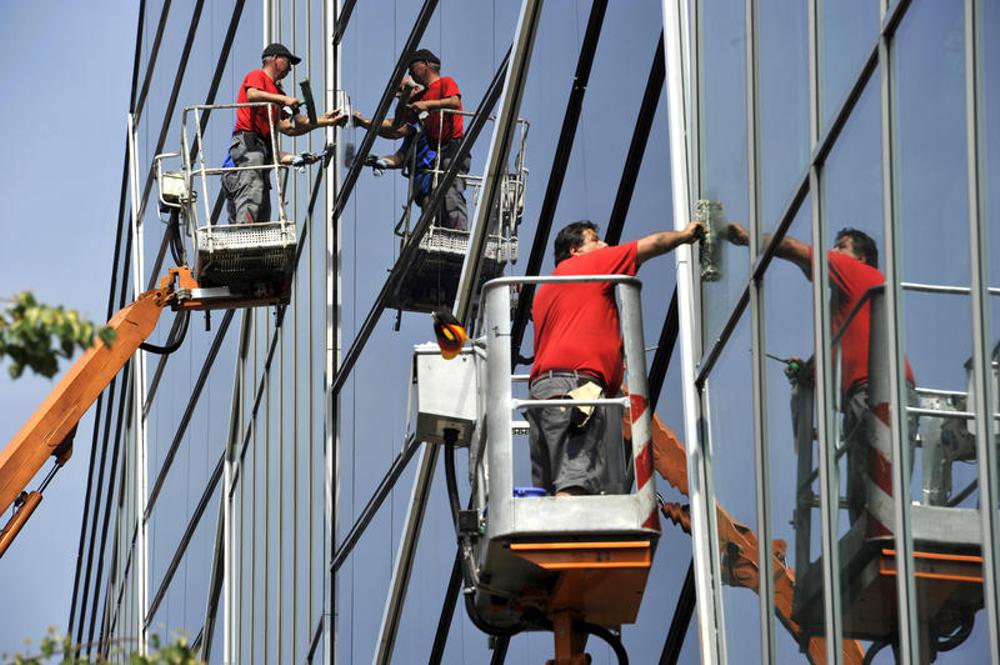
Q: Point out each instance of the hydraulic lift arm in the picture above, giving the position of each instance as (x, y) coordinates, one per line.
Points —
(739, 548)
(50, 430)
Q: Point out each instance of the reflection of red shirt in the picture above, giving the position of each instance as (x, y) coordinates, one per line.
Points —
(576, 325)
(850, 279)
(443, 127)
(254, 118)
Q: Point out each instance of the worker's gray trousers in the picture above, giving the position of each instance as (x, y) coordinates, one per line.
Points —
(248, 193)
(565, 455)
(453, 213)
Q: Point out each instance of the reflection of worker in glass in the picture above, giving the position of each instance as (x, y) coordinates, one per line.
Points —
(423, 156)
(444, 131)
(578, 353)
(248, 193)
(854, 270)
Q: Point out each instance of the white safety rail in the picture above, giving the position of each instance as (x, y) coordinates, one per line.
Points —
(231, 253)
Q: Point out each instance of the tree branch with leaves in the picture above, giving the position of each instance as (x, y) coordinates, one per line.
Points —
(35, 336)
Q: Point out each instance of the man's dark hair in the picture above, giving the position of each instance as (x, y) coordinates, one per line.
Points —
(571, 236)
(864, 245)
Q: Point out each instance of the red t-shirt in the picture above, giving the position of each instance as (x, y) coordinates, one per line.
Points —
(443, 127)
(851, 279)
(576, 325)
(254, 118)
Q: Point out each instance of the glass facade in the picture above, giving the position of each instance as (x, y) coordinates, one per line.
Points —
(838, 407)
(868, 474)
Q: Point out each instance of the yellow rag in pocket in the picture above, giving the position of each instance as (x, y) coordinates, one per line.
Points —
(589, 390)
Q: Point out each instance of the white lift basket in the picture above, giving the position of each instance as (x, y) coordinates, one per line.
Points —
(247, 258)
(526, 542)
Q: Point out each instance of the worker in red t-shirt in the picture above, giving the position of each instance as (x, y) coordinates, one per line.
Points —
(248, 193)
(578, 352)
(854, 270)
(444, 131)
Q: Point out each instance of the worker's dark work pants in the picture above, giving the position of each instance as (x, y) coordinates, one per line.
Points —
(564, 455)
(452, 214)
(248, 193)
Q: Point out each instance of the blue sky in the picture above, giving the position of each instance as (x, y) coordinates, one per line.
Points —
(64, 107)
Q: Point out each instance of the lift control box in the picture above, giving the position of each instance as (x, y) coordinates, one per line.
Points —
(447, 393)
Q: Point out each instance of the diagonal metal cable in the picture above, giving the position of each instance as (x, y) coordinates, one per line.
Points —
(192, 526)
(97, 420)
(564, 148)
(343, 19)
(427, 216)
(172, 101)
(213, 88)
(107, 507)
(199, 385)
(416, 34)
(637, 147)
(139, 106)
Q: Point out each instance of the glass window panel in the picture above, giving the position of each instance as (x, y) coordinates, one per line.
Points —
(722, 47)
(932, 195)
(783, 75)
(792, 453)
(848, 29)
(728, 400)
(852, 197)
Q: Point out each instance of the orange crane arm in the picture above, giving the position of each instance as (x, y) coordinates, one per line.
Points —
(739, 546)
(49, 431)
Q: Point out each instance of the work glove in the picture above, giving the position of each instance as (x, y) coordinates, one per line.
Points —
(302, 160)
(378, 164)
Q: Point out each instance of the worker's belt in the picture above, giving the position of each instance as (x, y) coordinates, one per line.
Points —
(575, 373)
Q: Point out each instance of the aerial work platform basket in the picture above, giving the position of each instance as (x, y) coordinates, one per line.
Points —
(432, 278)
(947, 560)
(243, 259)
(582, 556)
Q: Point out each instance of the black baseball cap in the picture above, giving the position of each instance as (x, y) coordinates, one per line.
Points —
(423, 55)
(280, 49)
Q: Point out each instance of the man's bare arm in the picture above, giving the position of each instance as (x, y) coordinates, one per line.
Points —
(665, 241)
(453, 102)
(386, 130)
(302, 125)
(789, 249)
(258, 95)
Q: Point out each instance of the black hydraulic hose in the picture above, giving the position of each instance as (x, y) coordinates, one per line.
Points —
(613, 640)
(452, 483)
(450, 436)
(175, 339)
(177, 249)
